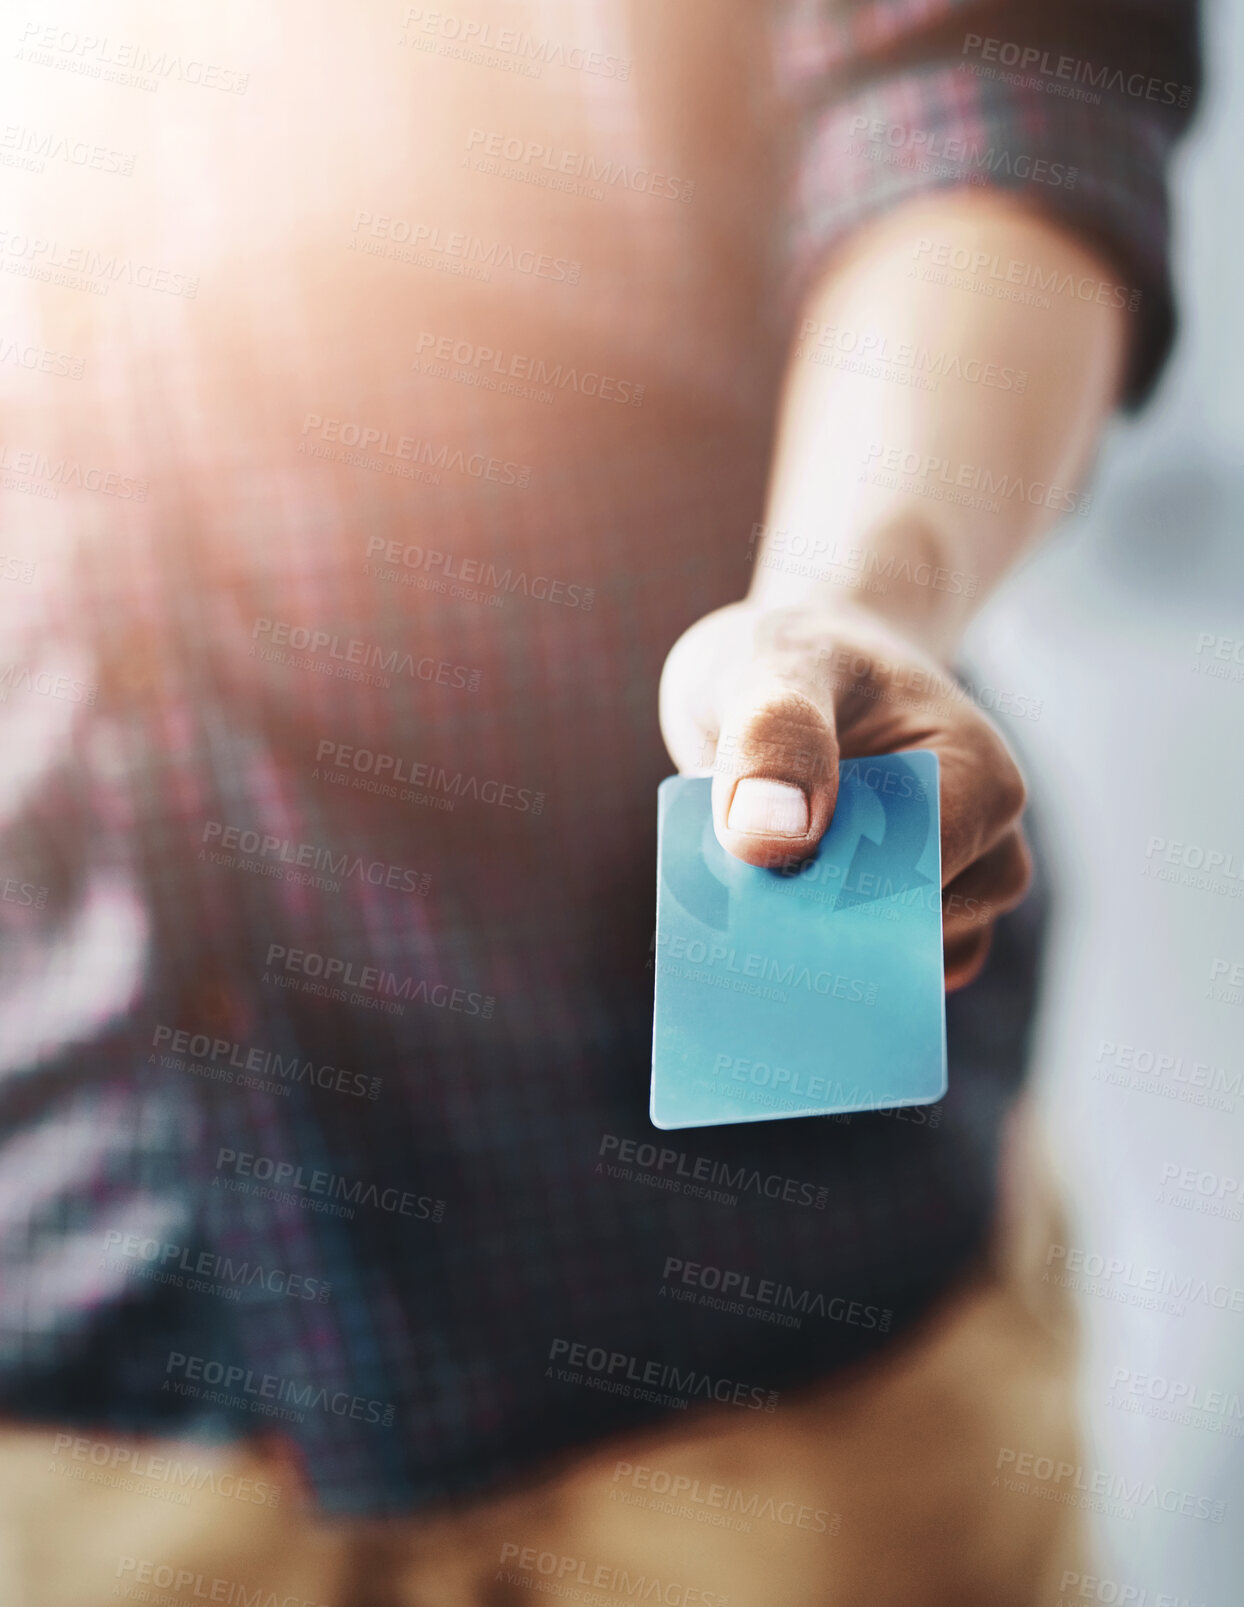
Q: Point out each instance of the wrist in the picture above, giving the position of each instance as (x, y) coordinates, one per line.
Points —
(904, 577)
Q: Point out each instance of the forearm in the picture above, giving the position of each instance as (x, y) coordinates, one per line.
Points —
(912, 486)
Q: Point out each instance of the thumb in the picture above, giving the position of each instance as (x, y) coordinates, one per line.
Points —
(775, 775)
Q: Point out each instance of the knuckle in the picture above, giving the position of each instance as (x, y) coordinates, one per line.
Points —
(1011, 872)
(1021, 878)
(1008, 790)
(1013, 790)
(965, 958)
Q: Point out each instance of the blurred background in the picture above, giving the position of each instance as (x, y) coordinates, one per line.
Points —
(1138, 739)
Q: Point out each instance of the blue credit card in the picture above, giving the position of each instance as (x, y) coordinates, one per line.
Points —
(812, 989)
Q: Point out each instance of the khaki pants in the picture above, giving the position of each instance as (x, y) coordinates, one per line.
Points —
(881, 1488)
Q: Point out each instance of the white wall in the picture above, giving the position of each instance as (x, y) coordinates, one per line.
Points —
(1133, 743)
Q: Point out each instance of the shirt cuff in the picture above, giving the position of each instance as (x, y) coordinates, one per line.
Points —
(1093, 160)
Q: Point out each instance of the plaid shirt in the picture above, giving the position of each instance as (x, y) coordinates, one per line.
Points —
(328, 691)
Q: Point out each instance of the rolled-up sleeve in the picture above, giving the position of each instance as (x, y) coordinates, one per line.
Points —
(1075, 105)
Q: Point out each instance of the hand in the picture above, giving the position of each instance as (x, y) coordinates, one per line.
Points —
(767, 701)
